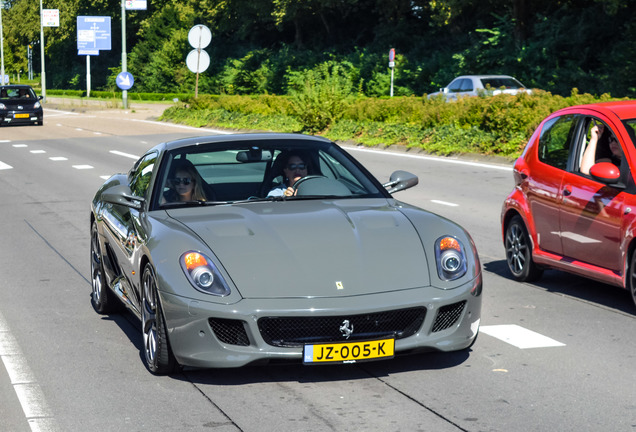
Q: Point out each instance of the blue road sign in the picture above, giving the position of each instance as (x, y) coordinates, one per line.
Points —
(93, 34)
(125, 80)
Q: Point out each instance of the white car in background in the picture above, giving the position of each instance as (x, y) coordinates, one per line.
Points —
(481, 85)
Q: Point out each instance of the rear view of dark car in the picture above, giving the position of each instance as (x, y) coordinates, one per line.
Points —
(19, 105)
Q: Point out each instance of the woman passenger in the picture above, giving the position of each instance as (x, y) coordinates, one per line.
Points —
(185, 185)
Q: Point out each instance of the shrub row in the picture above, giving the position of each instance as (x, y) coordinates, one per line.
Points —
(498, 125)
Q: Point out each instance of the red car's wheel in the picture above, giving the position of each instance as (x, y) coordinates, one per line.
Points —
(631, 282)
(519, 252)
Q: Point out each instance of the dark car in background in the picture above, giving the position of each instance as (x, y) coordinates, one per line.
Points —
(19, 105)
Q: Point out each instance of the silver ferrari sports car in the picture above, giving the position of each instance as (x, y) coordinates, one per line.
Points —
(239, 249)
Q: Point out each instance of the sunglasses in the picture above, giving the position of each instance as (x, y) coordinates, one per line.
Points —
(177, 181)
(294, 167)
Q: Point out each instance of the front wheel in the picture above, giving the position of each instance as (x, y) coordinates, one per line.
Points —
(631, 281)
(158, 353)
(102, 299)
(519, 252)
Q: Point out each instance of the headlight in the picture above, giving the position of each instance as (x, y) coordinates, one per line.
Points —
(3, 106)
(450, 257)
(203, 274)
(36, 105)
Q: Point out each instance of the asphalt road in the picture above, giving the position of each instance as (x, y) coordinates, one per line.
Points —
(557, 355)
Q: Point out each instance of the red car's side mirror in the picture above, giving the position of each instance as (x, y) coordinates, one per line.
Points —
(605, 172)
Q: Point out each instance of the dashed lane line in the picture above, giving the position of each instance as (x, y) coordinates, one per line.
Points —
(446, 203)
(520, 337)
(128, 155)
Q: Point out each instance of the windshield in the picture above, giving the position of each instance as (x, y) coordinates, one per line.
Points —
(17, 93)
(256, 171)
(497, 83)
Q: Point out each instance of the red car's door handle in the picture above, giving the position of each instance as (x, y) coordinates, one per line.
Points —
(567, 191)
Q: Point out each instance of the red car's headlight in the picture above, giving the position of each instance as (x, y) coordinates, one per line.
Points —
(203, 274)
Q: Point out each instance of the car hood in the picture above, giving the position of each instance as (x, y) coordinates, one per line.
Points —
(313, 248)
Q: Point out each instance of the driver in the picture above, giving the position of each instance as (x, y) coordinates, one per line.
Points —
(296, 166)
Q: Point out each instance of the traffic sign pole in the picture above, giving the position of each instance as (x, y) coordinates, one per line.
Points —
(392, 66)
(43, 77)
(88, 76)
(1, 45)
(199, 37)
(124, 66)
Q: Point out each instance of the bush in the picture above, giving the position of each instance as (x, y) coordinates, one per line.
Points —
(320, 96)
(498, 125)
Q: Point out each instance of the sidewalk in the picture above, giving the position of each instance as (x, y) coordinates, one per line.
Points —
(143, 110)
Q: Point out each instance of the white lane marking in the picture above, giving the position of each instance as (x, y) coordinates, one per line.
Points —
(82, 167)
(38, 151)
(216, 131)
(5, 141)
(20, 145)
(79, 129)
(432, 158)
(58, 158)
(105, 177)
(128, 155)
(519, 336)
(28, 391)
(4, 166)
(57, 113)
(445, 203)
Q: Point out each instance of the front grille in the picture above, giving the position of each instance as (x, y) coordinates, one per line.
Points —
(229, 331)
(448, 315)
(296, 331)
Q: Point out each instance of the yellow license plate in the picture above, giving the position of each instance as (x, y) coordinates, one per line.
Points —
(25, 115)
(349, 352)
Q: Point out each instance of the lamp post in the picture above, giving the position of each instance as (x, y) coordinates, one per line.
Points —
(1, 45)
(124, 66)
(43, 77)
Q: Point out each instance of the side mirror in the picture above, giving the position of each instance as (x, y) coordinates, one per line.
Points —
(605, 172)
(444, 90)
(401, 180)
(122, 195)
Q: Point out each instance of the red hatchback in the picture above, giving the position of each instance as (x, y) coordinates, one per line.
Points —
(573, 207)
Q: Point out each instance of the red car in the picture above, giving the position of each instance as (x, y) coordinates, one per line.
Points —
(573, 207)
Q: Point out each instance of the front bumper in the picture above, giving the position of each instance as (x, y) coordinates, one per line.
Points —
(16, 118)
(451, 323)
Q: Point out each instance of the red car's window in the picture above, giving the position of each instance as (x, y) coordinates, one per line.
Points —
(554, 144)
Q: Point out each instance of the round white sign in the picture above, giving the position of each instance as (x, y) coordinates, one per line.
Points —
(198, 61)
(199, 36)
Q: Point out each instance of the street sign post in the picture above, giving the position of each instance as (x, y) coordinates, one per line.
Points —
(125, 80)
(93, 35)
(198, 60)
(136, 5)
(51, 17)
(392, 66)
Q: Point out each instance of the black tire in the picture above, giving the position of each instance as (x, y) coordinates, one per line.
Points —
(102, 299)
(157, 351)
(631, 281)
(519, 252)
